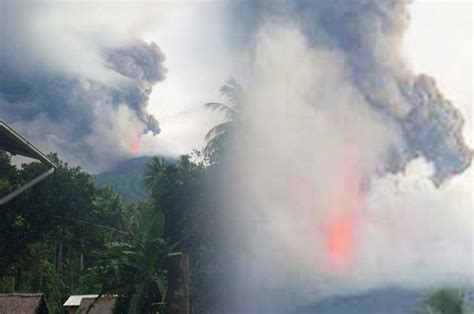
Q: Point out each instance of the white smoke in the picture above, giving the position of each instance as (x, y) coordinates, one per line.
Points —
(70, 69)
(70, 37)
(416, 235)
(330, 219)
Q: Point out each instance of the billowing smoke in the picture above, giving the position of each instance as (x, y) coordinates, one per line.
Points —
(368, 35)
(349, 161)
(76, 77)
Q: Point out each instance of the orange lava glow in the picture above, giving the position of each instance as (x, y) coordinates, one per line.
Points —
(344, 218)
(135, 145)
(340, 241)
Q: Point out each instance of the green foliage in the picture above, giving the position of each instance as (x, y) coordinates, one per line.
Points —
(52, 232)
(69, 237)
(175, 189)
(34, 216)
(125, 179)
(35, 272)
(134, 264)
(445, 301)
(181, 191)
(151, 173)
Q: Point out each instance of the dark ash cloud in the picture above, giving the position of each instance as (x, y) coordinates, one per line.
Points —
(71, 91)
(368, 34)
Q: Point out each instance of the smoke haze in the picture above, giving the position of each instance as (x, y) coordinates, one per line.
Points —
(350, 160)
(76, 77)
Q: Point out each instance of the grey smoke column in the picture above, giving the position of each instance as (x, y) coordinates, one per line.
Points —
(368, 34)
(143, 64)
(38, 101)
(88, 102)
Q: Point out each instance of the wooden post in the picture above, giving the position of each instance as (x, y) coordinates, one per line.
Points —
(177, 298)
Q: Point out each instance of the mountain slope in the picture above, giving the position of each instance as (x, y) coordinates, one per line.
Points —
(384, 301)
(126, 179)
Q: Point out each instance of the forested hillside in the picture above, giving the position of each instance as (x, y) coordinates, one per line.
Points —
(126, 179)
(387, 301)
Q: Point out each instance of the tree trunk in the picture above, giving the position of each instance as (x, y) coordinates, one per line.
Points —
(81, 262)
(177, 298)
(60, 258)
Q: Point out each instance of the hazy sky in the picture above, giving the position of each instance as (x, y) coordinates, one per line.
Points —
(439, 42)
(199, 60)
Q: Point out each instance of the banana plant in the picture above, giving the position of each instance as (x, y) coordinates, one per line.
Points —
(137, 261)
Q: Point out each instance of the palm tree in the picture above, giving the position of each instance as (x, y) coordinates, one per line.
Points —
(150, 176)
(219, 136)
(135, 264)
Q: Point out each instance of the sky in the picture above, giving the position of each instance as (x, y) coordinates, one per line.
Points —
(433, 24)
(197, 68)
(178, 101)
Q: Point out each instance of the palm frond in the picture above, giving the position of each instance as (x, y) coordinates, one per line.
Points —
(153, 168)
(219, 137)
(229, 111)
(233, 91)
(218, 130)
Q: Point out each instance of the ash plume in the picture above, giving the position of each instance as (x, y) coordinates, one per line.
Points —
(353, 168)
(368, 35)
(142, 63)
(79, 90)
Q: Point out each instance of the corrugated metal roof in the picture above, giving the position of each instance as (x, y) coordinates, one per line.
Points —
(14, 143)
(104, 305)
(75, 300)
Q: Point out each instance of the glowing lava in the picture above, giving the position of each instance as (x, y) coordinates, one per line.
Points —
(340, 241)
(344, 217)
(135, 145)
